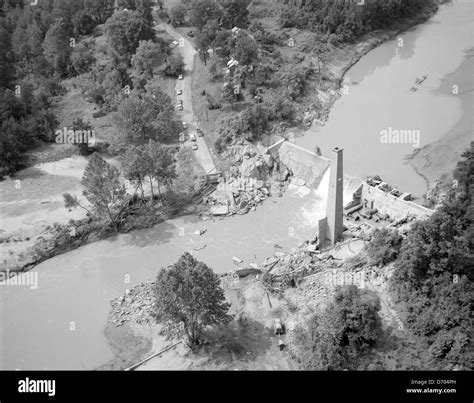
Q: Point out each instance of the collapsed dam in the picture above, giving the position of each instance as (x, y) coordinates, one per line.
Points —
(376, 195)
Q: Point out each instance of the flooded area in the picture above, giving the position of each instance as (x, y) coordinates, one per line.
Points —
(379, 97)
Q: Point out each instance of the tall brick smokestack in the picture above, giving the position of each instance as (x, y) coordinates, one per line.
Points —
(335, 206)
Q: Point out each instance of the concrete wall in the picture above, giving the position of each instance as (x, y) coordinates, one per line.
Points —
(395, 207)
(303, 163)
(311, 167)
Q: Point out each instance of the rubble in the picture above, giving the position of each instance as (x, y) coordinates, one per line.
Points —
(138, 305)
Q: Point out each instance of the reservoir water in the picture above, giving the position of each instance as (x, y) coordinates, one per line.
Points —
(378, 97)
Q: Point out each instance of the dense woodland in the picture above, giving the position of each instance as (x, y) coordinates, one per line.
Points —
(345, 20)
(45, 44)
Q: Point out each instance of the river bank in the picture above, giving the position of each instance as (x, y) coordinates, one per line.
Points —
(436, 161)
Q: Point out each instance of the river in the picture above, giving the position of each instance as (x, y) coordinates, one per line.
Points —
(60, 325)
(378, 97)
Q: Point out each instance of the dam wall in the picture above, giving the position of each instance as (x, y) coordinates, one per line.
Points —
(303, 163)
(395, 207)
(312, 168)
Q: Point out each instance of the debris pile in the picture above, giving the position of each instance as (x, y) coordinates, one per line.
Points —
(284, 270)
(237, 196)
(138, 305)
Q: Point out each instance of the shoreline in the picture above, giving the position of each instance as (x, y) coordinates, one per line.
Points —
(436, 161)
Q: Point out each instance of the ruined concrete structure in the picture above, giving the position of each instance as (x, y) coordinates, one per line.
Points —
(304, 164)
(334, 209)
(343, 190)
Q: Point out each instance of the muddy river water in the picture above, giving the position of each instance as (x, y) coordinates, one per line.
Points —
(60, 324)
(378, 99)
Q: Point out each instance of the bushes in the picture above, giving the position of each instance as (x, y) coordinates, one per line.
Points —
(344, 21)
(344, 336)
(384, 247)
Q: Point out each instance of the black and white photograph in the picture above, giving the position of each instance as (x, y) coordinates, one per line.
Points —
(209, 187)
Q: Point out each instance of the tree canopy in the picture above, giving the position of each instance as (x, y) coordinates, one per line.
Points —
(344, 335)
(189, 292)
(125, 29)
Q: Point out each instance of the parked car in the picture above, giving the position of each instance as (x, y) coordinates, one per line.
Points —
(180, 77)
(179, 92)
(185, 125)
(199, 132)
(175, 43)
(278, 326)
(192, 136)
(195, 146)
(180, 107)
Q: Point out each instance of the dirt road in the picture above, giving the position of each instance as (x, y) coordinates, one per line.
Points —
(188, 52)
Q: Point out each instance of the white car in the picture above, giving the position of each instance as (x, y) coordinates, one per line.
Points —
(179, 92)
(192, 136)
(175, 43)
(185, 125)
(180, 77)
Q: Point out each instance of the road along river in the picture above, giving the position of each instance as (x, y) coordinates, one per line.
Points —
(378, 99)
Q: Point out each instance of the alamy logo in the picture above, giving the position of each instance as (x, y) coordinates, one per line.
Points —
(37, 386)
(393, 136)
(69, 136)
(22, 279)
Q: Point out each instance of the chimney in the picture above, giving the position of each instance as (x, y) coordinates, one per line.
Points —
(334, 211)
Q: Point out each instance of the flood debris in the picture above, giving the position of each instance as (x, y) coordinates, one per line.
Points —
(137, 305)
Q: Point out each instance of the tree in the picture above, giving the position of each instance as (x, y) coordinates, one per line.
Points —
(7, 67)
(136, 165)
(99, 10)
(141, 117)
(344, 335)
(103, 190)
(82, 56)
(174, 65)
(189, 292)
(178, 14)
(384, 247)
(161, 165)
(203, 11)
(205, 39)
(222, 44)
(236, 14)
(125, 29)
(83, 23)
(245, 50)
(148, 55)
(231, 93)
(56, 46)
